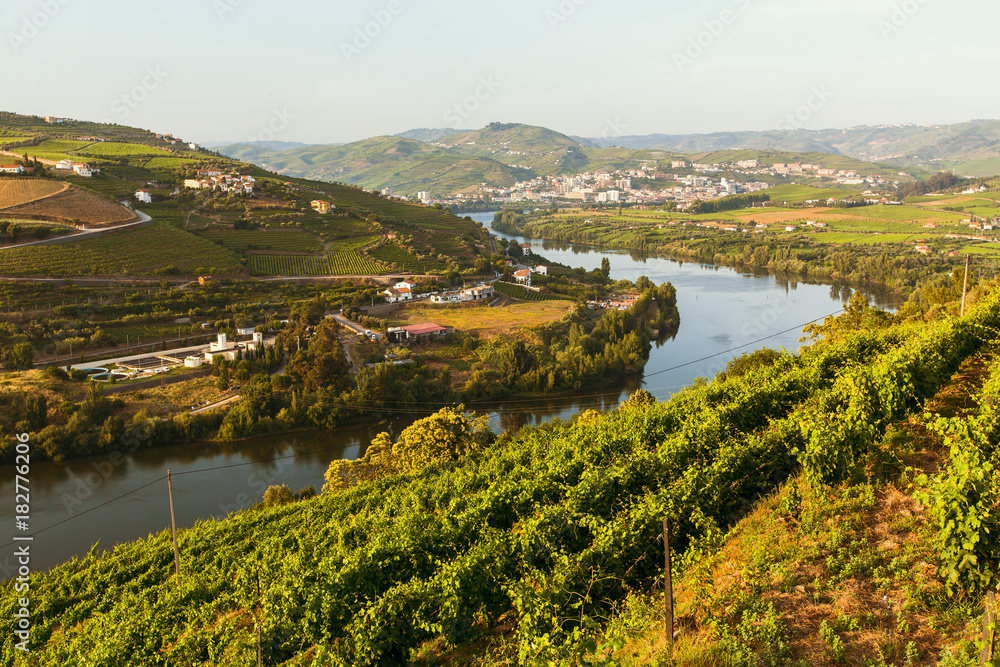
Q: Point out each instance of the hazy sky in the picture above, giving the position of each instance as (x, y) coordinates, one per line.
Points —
(235, 70)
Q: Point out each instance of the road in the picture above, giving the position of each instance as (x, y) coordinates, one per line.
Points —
(218, 404)
(87, 233)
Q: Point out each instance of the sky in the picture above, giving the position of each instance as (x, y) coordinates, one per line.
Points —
(332, 72)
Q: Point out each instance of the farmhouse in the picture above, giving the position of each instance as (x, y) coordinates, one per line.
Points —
(208, 173)
(321, 206)
(64, 164)
(85, 170)
(923, 249)
(394, 295)
(416, 333)
(144, 196)
(406, 284)
(542, 270)
(11, 169)
(523, 277)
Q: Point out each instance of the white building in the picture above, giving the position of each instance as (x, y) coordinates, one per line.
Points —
(523, 277)
(194, 147)
(66, 165)
(144, 196)
(424, 196)
(85, 170)
(394, 295)
(11, 169)
(542, 270)
(406, 284)
(611, 196)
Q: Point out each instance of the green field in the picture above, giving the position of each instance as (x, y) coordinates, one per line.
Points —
(54, 149)
(799, 194)
(158, 249)
(171, 163)
(283, 241)
(117, 149)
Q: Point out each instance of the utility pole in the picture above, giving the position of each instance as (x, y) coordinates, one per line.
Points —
(173, 526)
(965, 287)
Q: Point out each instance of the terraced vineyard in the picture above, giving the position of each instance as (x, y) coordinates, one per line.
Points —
(54, 149)
(158, 249)
(116, 149)
(525, 294)
(17, 191)
(391, 253)
(280, 240)
(289, 265)
(345, 258)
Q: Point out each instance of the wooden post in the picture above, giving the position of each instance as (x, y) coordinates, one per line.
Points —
(965, 287)
(173, 527)
(989, 629)
(668, 589)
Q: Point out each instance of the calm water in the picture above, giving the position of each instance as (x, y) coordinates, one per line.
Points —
(720, 309)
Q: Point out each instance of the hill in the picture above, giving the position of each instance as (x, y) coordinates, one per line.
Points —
(406, 165)
(276, 229)
(970, 149)
(816, 514)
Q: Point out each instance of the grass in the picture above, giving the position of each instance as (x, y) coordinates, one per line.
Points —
(798, 194)
(157, 249)
(481, 320)
(54, 149)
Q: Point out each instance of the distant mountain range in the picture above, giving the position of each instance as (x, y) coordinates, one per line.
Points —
(447, 161)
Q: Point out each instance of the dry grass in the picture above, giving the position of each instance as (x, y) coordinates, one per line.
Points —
(483, 321)
(764, 218)
(169, 400)
(19, 191)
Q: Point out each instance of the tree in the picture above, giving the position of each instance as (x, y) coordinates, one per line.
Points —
(276, 496)
(19, 357)
(606, 268)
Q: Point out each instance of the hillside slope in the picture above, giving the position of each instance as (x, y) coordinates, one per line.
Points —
(539, 548)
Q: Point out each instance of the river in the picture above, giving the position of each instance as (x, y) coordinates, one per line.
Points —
(723, 314)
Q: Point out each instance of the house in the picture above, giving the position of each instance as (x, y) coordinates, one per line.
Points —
(208, 173)
(85, 170)
(923, 249)
(523, 277)
(66, 165)
(394, 295)
(193, 146)
(526, 249)
(321, 206)
(446, 297)
(542, 270)
(416, 333)
(406, 284)
(790, 228)
(480, 293)
(144, 196)
(52, 120)
(11, 169)
(221, 348)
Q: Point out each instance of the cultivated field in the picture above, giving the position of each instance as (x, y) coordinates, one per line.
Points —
(158, 249)
(391, 253)
(115, 149)
(18, 191)
(74, 204)
(279, 240)
(481, 320)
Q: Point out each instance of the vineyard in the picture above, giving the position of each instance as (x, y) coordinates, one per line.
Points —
(54, 149)
(113, 149)
(157, 249)
(17, 191)
(289, 265)
(345, 258)
(390, 254)
(73, 204)
(525, 294)
(279, 240)
(549, 531)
